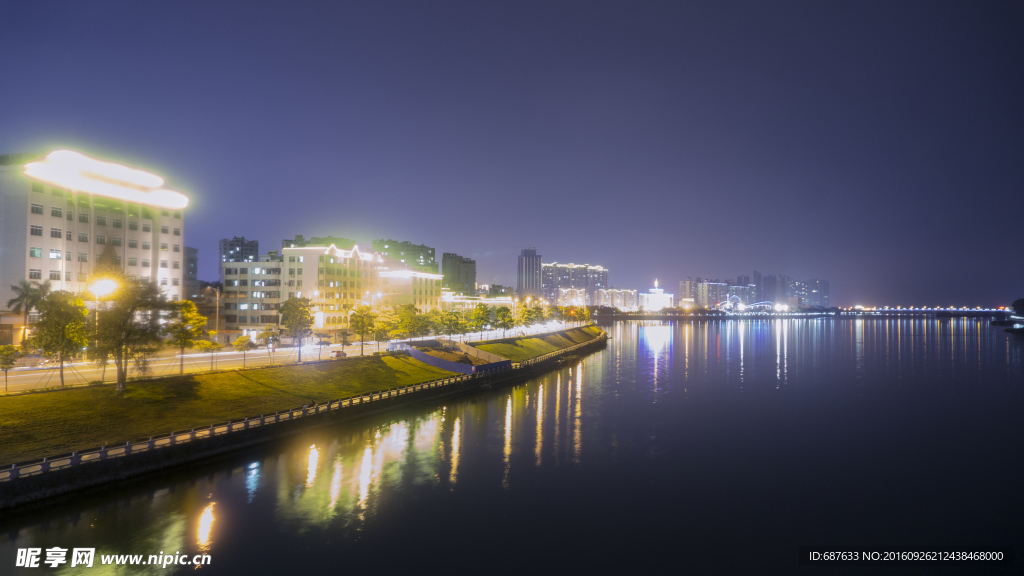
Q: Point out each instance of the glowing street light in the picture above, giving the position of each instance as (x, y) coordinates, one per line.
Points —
(101, 288)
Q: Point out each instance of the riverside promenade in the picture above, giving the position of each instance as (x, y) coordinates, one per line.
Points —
(26, 482)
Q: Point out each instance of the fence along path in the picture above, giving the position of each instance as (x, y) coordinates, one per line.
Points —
(80, 458)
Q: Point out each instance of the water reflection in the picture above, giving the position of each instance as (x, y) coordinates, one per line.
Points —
(337, 479)
(205, 526)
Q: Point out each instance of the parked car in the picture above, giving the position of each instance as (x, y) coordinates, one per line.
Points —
(338, 354)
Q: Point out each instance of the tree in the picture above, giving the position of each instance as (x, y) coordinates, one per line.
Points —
(480, 317)
(536, 315)
(8, 356)
(268, 338)
(297, 319)
(362, 321)
(184, 328)
(344, 334)
(61, 326)
(386, 326)
(522, 316)
(503, 319)
(243, 345)
(129, 327)
(451, 323)
(1018, 306)
(28, 296)
(322, 339)
(205, 346)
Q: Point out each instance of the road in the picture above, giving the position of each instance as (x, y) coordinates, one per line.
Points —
(78, 373)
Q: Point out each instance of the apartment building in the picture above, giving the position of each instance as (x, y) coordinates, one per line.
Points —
(60, 211)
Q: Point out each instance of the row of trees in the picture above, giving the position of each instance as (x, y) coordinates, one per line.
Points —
(132, 323)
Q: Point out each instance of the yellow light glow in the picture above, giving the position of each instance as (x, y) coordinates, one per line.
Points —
(205, 526)
(314, 458)
(78, 172)
(103, 288)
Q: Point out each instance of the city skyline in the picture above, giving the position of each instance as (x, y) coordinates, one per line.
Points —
(783, 155)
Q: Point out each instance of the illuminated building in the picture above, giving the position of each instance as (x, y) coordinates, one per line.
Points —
(656, 299)
(401, 287)
(459, 273)
(616, 298)
(301, 241)
(451, 301)
(528, 273)
(711, 293)
(238, 249)
(60, 211)
(191, 272)
(555, 276)
(336, 281)
(817, 293)
(572, 297)
(413, 256)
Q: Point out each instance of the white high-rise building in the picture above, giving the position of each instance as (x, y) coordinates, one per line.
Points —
(59, 212)
(656, 299)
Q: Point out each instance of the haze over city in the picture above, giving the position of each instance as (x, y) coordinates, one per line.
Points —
(877, 146)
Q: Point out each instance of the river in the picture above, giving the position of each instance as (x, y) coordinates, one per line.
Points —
(719, 446)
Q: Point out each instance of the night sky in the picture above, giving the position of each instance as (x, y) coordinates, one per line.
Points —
(879, 146)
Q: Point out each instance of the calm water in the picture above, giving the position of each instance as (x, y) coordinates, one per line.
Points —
(721, 446)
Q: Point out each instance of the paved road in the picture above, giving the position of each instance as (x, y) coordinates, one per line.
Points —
(83, 372)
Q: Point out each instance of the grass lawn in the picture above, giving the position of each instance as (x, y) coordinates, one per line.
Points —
(521, 349)
(52, 423)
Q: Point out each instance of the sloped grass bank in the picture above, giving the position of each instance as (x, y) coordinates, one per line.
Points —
(47, 424)
(519, 349)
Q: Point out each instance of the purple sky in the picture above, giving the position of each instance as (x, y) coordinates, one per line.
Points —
(879, 146)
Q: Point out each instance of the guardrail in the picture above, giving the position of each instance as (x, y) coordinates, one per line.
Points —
(103, 453)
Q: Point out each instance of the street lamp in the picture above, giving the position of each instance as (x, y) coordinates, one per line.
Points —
(99, 289)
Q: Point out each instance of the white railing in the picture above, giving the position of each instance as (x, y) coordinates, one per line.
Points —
(74, 459)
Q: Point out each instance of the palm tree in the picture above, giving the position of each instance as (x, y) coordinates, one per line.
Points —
(28, 296)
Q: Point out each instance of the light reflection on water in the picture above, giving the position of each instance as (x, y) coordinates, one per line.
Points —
(336, 479)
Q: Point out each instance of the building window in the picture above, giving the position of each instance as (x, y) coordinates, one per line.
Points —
(147, 228)
(37, 187)
(177, 247)
(101, 220)
(67, 275)
(165, 213)
(56, 211)
(57, 192)
(36, 230)
(132, 262)
(100, 239)
(174, 281)
(35, 252)
(165, 230)
(177, 215)
(83, 257)
(35, 274)
(133, 243)
(54, 274)
(163, 246)
(71, 215)
(300, 271)
(37, 208)
(55, 254)
(116, 240)
(83, 236)
(83, 217)
(145, 245)
(163, 281)
(243, 270)
(55, 233)
(133, 225)
(177, 231)
(145, 262)
(116, 222)
(176, 265)
(163, 263)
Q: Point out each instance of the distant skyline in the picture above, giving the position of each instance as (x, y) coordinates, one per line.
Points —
(875, 145)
